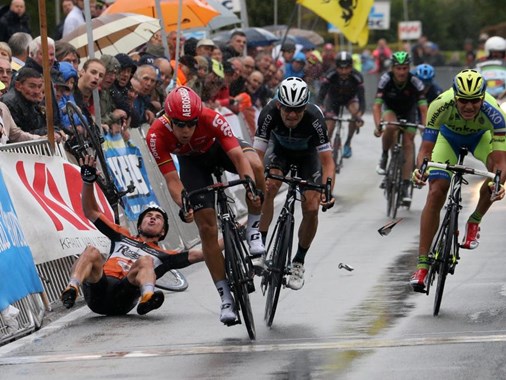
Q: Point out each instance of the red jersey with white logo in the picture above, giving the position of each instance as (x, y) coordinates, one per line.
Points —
(211, 126)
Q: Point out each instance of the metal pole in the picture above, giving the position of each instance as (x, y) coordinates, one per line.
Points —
(244, 14)
(163, 32)
(405, 6)
(91, 54)
(275, 12)
(47, 76)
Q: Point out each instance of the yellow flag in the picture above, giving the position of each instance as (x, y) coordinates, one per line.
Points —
(350, 16)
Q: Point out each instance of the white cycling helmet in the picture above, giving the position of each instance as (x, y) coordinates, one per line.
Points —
(495, 43)
(293, 92)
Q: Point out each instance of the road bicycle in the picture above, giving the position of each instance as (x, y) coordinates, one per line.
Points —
(279, 257)
(238, 266)
(337, 138)
(393, 181)
(87, 139)
(444, 254)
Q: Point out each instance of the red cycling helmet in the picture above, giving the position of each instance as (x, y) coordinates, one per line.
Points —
(183, 104)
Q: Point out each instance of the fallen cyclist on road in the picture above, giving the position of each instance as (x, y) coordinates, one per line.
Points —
(463, 116)
(114, 286)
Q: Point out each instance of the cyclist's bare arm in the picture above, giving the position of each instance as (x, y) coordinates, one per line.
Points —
(328, 171)
(240, 162)
(88, 200)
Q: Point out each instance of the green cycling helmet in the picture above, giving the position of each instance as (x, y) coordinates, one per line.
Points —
(469, 84)
(400, 58)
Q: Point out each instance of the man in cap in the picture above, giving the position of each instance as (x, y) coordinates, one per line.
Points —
(205, 47)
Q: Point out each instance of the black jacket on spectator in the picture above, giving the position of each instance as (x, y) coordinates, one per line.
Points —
(30, 62)
(11, 23)
(30, 117)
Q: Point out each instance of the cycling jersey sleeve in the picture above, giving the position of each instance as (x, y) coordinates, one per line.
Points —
(157, 139)
(265, 124)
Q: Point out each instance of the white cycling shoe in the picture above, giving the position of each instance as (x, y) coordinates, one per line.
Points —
(296, 279)
(228, 314)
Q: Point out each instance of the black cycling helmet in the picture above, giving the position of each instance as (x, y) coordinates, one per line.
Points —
(344, 59)
(155, 207)
(400, 58)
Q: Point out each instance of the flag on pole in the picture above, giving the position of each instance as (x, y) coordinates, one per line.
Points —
(350, 16)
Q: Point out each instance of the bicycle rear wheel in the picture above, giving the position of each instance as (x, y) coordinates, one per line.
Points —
(447, 240)
(277, 268)
(173, 280)
(239, 275)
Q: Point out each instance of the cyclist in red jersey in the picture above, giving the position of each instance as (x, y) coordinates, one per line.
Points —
(203, 140)
(114, 286)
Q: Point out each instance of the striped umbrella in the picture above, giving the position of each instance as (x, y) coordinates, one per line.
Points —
(114, 33)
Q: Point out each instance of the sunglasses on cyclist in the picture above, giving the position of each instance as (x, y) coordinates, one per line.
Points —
(293, 109)
(185, 123)
(466, 101)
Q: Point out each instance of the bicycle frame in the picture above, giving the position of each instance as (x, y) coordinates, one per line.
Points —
(337, 138)
(393, 178)
(279, 259)
(444, 254)
(237, 262)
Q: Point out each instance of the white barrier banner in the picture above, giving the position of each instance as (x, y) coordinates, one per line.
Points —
(46, 193)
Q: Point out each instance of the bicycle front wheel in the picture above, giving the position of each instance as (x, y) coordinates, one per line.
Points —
(447, 240)
(277, 268)
(239, 275)
(337, 148)
(393, 184)
(172, 280)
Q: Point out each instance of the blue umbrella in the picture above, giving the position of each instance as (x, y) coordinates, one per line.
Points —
(303, 41)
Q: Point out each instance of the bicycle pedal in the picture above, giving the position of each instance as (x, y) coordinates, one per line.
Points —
(250, 286)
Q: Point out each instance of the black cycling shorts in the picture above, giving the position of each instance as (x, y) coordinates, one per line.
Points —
(308, 162)
(111, 296)
(195, 172)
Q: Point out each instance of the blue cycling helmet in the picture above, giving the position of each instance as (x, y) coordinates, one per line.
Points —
(425, 72)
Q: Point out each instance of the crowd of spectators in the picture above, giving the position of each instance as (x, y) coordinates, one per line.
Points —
(132, 85)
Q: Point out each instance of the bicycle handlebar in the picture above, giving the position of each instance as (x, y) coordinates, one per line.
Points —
(402, 123)
(496, 177)
(247, 182)
(304, 184)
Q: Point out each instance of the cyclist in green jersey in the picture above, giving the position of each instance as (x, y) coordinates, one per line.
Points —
(463, 116)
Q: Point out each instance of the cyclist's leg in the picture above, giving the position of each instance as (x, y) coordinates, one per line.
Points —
(353, 108)
(195, 172)
(387, 139)
(493, 156)
(88, 268)
(142, 275)
(274, 159)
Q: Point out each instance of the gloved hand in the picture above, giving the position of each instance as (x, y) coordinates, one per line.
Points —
(88, 173)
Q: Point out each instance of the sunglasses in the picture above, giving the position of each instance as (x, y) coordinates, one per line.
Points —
(185, 123)
(466, 101)
(293, 109)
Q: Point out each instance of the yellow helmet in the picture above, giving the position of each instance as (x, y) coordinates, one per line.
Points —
(469, 84)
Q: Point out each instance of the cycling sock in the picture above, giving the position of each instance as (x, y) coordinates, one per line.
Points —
(475, 217)
(423, 262)
(224, 291)
(75, 282)
(264, 236)
(300, 255)
(147, 288)
(252, 227)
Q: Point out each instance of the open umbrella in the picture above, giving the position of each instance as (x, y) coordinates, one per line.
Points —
(254, 36)
(114, 33)
(195, 13)
(279, 30)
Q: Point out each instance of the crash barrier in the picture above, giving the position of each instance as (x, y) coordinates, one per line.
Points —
(55, 253)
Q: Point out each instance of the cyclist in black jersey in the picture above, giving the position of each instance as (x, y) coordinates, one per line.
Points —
(426, 74)
(292, 131)
(343, 87)
(400, 95)
(114, 286)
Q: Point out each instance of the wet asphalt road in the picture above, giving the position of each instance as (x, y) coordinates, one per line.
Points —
(361, 324)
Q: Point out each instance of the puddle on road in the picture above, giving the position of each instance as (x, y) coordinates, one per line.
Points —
(387, 302)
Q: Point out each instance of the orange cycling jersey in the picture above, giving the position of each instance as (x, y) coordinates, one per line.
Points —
(211, 126)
